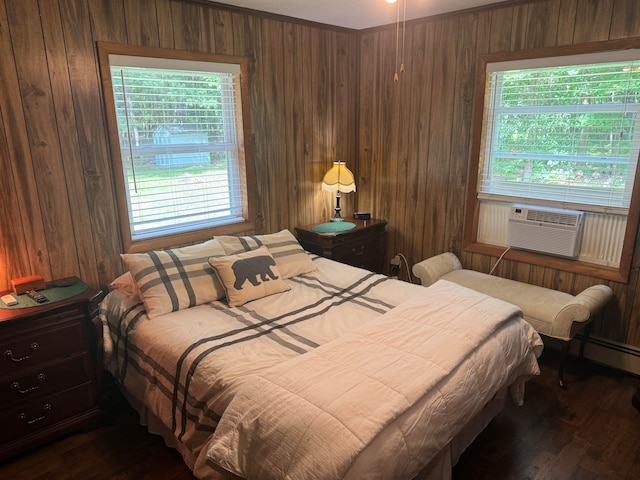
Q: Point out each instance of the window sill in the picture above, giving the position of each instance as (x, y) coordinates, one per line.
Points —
(558, 263)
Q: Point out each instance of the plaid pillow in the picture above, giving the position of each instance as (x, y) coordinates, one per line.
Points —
(171, 280)
(289, 255)
(248, 276)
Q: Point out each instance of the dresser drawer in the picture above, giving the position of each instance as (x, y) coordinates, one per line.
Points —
(30, 417)
(38, 346)
(363, 253)
(50, 377)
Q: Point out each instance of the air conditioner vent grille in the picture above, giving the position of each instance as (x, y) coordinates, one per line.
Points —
(547, 230)
(552, 217)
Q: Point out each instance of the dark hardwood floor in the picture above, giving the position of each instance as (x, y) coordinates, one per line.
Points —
(590, 431)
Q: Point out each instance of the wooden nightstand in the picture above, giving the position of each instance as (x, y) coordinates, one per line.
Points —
(48, 371)
(362, 246)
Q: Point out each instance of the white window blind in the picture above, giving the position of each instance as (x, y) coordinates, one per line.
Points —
(562, 130)
(178, 128)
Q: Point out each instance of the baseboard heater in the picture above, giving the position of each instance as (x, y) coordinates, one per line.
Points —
(553, 231)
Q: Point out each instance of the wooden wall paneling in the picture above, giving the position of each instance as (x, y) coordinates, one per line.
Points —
(324, 53)
(312, 202)
(208, 34)
(293, 189)
(188, 27)
(345, 102)
(482, 45)
(107, 20)
(441, 134)
(223, 32)
(253, 44)
(69, 148)
(566, 21)
(12, 256)
(542, 28)
(418, 111)
(463, 88)
(40, 118)
(364, 182)
(322, 163)
(559, 280)
(395, 152)
(141, 20)
(422, 139)
(238, 26)
(272, 168)
(165, 24)
(501, 27)
(92, 138)
(23, 238)
(387, 105)
(625, 21)
(593, 20)
(520, 24)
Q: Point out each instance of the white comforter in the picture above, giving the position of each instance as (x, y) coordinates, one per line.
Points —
(417, 373)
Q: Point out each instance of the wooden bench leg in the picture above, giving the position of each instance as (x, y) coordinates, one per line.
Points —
(563, 357)
(583, 340)
(565, 353)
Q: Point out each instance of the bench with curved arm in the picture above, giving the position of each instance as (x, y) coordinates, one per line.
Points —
(552, 313)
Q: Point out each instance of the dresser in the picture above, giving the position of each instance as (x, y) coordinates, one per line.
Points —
(48, 371)
(362, 246)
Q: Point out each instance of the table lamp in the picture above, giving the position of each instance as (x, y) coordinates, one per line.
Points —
(340, 180)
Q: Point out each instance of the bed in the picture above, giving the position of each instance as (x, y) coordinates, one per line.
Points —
(318, 370)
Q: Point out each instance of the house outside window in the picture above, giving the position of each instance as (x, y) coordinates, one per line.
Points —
(177, 138)
(560, 131)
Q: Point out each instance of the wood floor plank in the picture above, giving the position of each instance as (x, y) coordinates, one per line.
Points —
(590, 431)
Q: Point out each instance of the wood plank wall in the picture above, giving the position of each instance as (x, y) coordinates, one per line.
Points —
(317, 94)
(58, 215)
(415, 134)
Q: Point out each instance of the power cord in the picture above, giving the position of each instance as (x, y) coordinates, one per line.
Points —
(395, 267)
(498, 261)
(406, 264)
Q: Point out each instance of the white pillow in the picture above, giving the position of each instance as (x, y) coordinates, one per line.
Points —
(248, 276)
(289, 255)
(174, 279)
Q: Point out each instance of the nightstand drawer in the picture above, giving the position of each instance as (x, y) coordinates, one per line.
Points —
(30, 417)
(359, 254)
(363, 245)
(25, 386)
(40, 346)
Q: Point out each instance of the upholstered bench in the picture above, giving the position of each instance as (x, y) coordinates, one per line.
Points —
(552, 313)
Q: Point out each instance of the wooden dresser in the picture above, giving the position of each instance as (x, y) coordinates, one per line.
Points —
(48, 371)
(362, 246)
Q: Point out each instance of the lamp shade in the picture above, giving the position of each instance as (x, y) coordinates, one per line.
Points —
(339, 179)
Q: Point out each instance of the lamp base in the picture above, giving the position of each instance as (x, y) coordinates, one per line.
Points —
(337, 219)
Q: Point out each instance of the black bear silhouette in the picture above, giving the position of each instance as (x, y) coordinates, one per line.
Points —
(252, 268)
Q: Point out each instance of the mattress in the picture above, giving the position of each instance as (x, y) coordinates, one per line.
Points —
(185, 368)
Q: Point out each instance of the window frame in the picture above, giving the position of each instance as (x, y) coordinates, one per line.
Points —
(245, 161)
(470, 243)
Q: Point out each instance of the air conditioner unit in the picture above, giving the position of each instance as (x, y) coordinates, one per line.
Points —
(547, 230)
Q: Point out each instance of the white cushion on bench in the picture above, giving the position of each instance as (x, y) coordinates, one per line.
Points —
(552, 313)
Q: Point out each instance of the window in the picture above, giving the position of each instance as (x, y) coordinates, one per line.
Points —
(562, 131)
(177, 139)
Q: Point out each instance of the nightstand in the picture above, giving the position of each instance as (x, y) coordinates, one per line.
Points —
(49, 370)
(362, 246)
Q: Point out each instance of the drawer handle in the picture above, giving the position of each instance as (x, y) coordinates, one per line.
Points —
(9, 353)
(23, 416)
(16, 385)
(358, 252)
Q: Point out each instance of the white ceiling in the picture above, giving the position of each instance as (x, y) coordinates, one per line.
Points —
(356, 14)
